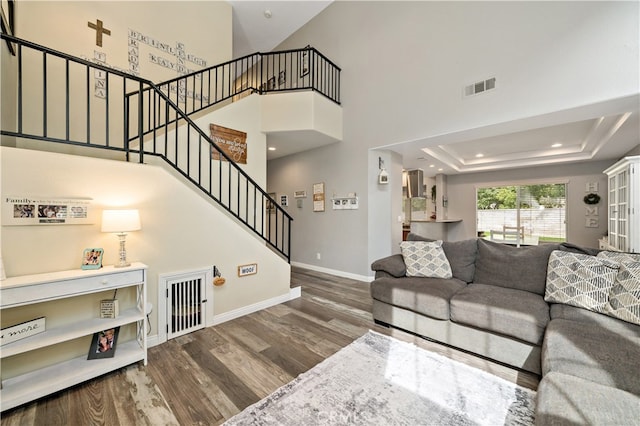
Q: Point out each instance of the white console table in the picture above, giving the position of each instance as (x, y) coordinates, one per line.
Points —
(24, 292)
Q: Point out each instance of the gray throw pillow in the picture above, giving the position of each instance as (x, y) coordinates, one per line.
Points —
(624, 300)
(461, 254)
(425, 259)
(580, 280)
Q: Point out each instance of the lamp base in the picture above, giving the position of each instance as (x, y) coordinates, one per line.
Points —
(122, 262)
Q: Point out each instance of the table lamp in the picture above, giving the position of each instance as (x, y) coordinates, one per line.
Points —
(121, 222)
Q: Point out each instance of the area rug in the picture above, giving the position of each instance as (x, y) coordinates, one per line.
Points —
(379, 380)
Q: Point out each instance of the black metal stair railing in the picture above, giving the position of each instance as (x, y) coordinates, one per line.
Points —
(64, 99)
(288, 70)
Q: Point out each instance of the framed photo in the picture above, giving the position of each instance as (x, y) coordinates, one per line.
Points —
(271, 83)
(282, 78)
(103, 344)
(92, 258)
(271, 208)
(318, 197)
(304, 63)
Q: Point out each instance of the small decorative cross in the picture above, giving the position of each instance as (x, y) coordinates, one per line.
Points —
(99, 31)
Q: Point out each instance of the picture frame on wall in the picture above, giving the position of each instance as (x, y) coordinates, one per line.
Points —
(92, 258)
(271, 208)
(304, 63)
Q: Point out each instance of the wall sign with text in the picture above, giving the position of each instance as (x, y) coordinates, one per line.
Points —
(26, 210)
(244, 270)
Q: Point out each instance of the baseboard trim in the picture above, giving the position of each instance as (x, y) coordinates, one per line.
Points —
(333, 272)
(153, 341)
(294, 293)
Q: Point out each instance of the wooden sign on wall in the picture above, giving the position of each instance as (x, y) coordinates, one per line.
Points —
(232, 142)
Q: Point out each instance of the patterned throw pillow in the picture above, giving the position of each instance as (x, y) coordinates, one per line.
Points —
(624, 301)
(425, 259)
(580, 280)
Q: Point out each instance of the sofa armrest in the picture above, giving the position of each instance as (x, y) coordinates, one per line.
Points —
(392, 265)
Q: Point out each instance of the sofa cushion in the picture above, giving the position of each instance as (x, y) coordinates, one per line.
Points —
(425, 259)
(392, 265)
(521, 268)
(580, 280)
(592, 352)
(567, 400)
(427, 296)
(593, 319)
(461, 255)
(462, 258)
(514, 313)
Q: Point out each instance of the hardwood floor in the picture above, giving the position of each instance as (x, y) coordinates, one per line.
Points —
(206, 377)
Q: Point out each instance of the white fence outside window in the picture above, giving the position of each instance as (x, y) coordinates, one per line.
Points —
(541, 222)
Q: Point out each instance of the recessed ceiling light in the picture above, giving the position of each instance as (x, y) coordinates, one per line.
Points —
(479, 155)
(432, 165)
(267, 14)
(556, 145)
(439, 170)
(272, 148)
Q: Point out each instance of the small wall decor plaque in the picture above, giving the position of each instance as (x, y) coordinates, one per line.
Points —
(250, 269)
(92, 258)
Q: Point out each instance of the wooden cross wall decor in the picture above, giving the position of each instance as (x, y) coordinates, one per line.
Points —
(99, 31)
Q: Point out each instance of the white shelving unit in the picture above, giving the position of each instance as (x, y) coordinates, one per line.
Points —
(27, 290)
(624, 204)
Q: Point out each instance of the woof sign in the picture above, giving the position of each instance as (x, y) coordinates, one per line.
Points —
(244, 270)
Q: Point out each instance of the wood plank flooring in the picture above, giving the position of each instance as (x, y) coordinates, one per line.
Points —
(206, 377)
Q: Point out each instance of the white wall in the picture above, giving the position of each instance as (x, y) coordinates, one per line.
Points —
(200, 30)
(181, 229)
(204, 27)
(404, 67)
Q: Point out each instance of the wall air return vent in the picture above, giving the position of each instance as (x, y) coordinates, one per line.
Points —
(480, 87)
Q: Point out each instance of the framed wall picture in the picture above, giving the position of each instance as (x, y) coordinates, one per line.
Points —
(103, 344)
(304, 63)
(92, 258)
(318, 197)
(271, 208)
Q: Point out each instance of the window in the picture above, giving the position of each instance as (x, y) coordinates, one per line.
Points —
(522, 214)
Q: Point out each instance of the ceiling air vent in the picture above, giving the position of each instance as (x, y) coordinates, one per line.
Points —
(480, 86)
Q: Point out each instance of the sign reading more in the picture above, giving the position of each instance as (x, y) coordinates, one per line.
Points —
(20, 331)
(232, 142)
(244, 270)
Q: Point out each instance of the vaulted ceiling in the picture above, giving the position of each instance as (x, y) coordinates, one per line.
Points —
(596, 132)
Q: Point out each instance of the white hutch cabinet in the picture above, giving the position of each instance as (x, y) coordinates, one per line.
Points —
(67, 300)
(624, 204)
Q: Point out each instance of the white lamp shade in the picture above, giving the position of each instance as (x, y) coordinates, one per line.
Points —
(120, 220)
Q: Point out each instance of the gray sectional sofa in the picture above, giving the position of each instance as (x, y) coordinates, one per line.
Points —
(493, 305)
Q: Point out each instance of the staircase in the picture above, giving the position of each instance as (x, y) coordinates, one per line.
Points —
(68, 100)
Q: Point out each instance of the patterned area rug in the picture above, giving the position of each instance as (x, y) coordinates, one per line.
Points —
(379, 380)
